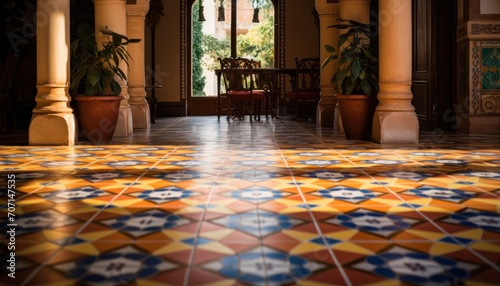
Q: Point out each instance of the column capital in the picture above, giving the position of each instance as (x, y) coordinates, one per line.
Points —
(140, 9)
(327, 7)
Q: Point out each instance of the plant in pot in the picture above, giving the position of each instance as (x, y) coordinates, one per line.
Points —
(94, 80)
(356, 77)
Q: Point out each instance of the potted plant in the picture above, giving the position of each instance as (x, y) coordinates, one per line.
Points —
(94, 80)
(356, 77)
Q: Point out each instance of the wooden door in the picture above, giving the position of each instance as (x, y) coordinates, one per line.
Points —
(433, 26)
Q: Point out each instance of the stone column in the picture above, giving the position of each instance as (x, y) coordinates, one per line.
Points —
(53, 121)
(328, 15)
(136, 17)
(357, 10)
(395, 120)
(113, 14)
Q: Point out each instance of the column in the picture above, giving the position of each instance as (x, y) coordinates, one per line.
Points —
(328, 15)
(136, 15)
(395, 120)
(113, 14)
(357, 10)
(53, 121)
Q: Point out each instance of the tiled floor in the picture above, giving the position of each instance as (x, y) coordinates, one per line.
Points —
(278, 202)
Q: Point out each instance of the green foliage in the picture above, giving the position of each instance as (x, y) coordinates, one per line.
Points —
(215, 48)
(254, 45)
(357, 61)
(207, 49)
(251, 45)
(93, 70)
(198, 53)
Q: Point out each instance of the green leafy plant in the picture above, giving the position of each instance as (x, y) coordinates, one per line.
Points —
(357, 71)
(93, 70)
(198, 54)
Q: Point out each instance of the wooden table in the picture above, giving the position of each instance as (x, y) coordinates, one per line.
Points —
(269, 81)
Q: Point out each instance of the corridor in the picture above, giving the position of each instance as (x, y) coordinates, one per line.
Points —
(276, 202)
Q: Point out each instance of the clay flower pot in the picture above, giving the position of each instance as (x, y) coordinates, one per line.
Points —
(98, 116)
(356, 112)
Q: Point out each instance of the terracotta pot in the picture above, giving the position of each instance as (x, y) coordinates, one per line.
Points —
(357, 113)
(98, 116)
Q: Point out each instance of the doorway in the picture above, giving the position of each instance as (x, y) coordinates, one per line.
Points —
(434, 54)
(227, 28)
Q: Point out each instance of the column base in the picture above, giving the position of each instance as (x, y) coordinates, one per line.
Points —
(395, 127)
(325, 111)
(124, 125)
(53, 129)
(325, 114)
(141, 116)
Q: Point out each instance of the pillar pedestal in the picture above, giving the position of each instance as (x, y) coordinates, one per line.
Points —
(53, 121)
(328, 15)
(395, 120)
(113, 14)
(136, 15)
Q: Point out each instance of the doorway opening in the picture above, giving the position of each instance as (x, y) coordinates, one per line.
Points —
(227, 28)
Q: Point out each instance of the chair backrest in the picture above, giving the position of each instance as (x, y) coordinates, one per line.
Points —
(245, 63)
(307, 75)
(237, 73)
(226, 63)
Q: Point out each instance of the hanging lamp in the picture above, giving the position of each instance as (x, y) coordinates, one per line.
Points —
(201, 14)
(221, 17)
(256, 7)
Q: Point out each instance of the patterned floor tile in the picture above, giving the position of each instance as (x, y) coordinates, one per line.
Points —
(275, 202)
(403, 265)
(263, 266)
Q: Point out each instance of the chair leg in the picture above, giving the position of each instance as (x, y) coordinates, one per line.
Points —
(242, 110)
(240, 107)
(297, 109)
(259, 102)
(267, 105)
(256, 110)
(305, 111)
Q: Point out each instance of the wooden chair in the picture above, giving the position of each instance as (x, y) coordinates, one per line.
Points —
(225, 65)
(241, 89)
(306, 85)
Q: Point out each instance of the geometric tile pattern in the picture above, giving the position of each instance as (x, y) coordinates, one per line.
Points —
(374, 222)
(258, 223)
(417, 268)
(264, 266)
(142, 223)
(197, 201)
(122, 266)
